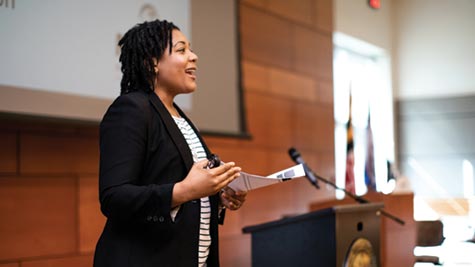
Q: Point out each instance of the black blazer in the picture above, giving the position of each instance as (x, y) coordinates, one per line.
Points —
(142, 155)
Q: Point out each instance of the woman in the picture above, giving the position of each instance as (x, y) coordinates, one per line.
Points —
(161, 202)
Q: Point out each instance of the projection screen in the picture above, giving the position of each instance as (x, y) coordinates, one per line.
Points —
(60, 59)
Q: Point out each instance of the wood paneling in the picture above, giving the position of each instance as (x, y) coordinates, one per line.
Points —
(268, 204)
(292, 86)
(279, 159)
(235, 251)
(304, 192)
(399, 240)
(325, 165)
(299, 11)
(324, 15)
(59, 154)
(251, 160)
(91, 220)
(38, 217)
(9, 265)
(289, 102)
(265, 38)
(271, 122)
(314, 127)
(313, 53)
(72, 261)
(216, 142)
(325, 92)
(256, 3)
(232, 225)
(325, 129)
(255, 77)
(8, 152)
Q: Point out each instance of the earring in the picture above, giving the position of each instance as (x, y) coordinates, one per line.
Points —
(155, 67)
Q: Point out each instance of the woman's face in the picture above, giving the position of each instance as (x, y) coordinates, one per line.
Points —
(177, 70)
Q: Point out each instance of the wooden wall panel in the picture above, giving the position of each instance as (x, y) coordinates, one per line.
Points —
(8, 152)
(399, 240)
(318, 62)
(289, 102)
(300, 11)
(325, 165)
(251, 160)
(255, 77)
(267, 204)
(325, 129)
(256, 3)
(304, 192)
(271, 121)
(214, 142)
(279, 159)
(265, 38)
(325, 92)
(235, 251)
(38, 216)
(9, 265)
(308, 128)
(325, 61)
(59, 154)
(72, 261)
(91, 220)
(292, 85)
(232, 225)
(324, 15)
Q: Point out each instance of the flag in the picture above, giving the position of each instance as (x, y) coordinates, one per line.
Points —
(369, 173)
(350, 157)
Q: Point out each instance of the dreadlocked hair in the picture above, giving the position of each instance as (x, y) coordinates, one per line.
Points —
(139, 46)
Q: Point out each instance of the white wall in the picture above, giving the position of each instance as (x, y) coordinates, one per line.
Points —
(357, 19)
(435, 43)
(431, 42)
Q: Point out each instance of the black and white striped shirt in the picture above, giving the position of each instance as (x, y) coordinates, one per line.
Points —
(198, 153)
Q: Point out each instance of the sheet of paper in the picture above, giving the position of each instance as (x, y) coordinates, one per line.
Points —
(248, 182)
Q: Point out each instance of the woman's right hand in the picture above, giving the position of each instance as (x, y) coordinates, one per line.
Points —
(201, 182)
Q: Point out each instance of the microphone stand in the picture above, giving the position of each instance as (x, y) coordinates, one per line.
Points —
(358, 199)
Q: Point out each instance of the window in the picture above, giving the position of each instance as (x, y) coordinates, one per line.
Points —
(363, 108)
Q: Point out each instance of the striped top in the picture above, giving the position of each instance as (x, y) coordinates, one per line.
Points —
(199, 153)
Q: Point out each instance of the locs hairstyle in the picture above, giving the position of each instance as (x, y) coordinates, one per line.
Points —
(139, 46)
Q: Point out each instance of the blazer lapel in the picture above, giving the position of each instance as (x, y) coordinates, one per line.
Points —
(173, 130)
(180, 141)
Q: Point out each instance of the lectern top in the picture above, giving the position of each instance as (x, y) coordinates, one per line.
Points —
(353, 208)
(358, 207)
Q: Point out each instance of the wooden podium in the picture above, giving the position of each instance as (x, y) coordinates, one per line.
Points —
(319, 238)
(397, 241)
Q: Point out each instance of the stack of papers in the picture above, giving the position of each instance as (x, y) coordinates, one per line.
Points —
(248, 182)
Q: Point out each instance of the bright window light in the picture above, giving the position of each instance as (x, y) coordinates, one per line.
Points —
(361, 75)
(467, 169)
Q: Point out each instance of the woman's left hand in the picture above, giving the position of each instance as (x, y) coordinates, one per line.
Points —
(232, 200)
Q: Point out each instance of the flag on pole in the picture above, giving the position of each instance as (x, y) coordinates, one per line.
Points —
(369, 173)
(350, 156)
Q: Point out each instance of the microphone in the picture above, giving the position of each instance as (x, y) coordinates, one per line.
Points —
(312, 177)
(295, 155)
